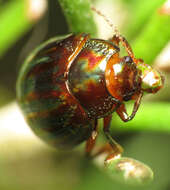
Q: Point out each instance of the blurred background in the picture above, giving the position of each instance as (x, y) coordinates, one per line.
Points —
(28, 163)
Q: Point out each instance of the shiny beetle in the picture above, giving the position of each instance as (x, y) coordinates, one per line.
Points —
(68, 83)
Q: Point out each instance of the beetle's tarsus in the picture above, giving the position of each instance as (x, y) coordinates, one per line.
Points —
(121, 111)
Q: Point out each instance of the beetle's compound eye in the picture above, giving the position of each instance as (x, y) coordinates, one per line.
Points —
(127, 59)
(152, 81)
(128, 96)
(130, 79)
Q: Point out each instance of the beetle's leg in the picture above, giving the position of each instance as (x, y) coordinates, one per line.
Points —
(116, 148)
(117, 39)
(121, 111)
(92, 140)
(112, 149)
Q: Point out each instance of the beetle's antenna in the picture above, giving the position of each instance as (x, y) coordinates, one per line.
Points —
(117, 37)
(114, 28)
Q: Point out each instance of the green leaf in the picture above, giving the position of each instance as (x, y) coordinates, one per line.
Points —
(14, 22)
(150, 117)
(153, 38)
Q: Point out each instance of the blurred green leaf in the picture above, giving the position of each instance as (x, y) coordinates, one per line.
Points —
(153, 37)
(140, 13)
(150, 117)
(14, 22)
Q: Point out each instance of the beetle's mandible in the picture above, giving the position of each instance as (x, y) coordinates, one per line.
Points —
(68, 83)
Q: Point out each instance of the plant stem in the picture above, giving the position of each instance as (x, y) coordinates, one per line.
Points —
(79, 16)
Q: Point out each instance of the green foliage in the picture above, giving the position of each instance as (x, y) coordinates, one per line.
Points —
(140, 13)
(154, 36)
(150, 117)
(14, 22)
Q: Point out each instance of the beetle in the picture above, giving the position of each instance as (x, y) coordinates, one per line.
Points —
(70, 82)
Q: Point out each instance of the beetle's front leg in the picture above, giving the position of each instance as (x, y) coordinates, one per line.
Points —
(121, 110)
(119, 38)
(116, 148)
(92, 140)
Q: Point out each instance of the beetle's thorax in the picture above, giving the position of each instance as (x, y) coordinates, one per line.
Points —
(122, 78)
(86, 78)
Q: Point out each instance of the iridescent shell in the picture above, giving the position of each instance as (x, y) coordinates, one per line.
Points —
(61, 88)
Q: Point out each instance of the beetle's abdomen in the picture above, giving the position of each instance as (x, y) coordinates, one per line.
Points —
(50, 110)
(86, 78)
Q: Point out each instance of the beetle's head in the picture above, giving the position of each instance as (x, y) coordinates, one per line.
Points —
(151, 80)
(126, 79)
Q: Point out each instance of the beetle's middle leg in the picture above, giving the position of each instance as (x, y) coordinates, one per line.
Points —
(116, 148)
(90, 143)
(112, 148)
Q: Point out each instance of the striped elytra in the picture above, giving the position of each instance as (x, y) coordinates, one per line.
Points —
(61, 88)
(71, 81)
